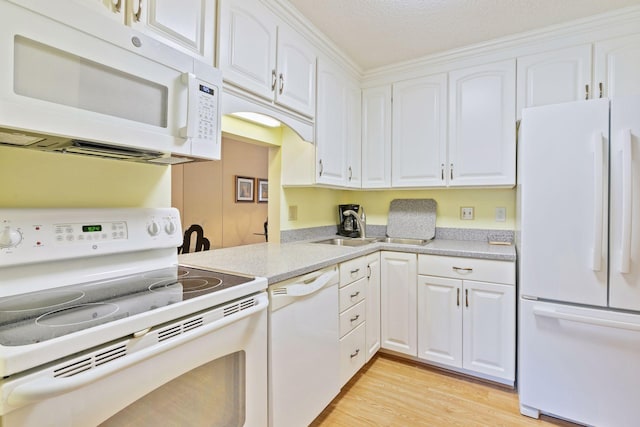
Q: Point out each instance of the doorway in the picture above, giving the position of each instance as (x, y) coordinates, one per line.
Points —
(205, 193)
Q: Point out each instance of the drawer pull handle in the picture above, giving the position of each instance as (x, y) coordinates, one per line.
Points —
(354, 318)
(355, 295)
(355, 353)
(368, 272)
(463, 270)
(355, 271)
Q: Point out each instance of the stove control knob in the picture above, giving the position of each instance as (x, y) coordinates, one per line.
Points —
(170, 227)
(153, 229)
(10, 237)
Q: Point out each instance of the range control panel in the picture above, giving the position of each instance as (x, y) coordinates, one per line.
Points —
(38, 235)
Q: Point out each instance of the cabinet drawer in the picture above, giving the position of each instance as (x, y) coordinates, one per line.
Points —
(351, 318)
(352, 354)
(352, 294)
(352, 270)
(484, 270)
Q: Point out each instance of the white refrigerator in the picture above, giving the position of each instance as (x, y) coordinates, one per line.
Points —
(578, 243)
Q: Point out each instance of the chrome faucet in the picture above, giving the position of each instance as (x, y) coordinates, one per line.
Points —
(361, 220)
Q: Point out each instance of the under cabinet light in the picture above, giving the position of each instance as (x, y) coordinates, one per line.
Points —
(257, 118)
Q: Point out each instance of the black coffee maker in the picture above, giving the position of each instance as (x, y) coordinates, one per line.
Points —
(348, 225)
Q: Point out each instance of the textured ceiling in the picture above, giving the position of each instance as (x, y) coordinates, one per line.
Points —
(375, 33)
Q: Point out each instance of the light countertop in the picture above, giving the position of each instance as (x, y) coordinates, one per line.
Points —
(281, 261)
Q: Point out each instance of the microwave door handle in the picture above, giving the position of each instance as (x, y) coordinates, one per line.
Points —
(189, 129)
(44, 388)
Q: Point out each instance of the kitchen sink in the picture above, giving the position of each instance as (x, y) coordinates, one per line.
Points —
(356, 241)
(400, 241)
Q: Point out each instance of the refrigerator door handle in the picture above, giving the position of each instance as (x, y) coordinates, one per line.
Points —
(627, 197)
(597, 321)
(598, 163)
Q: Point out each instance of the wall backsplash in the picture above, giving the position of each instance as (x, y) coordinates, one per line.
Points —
(32, 179)
(318, 206)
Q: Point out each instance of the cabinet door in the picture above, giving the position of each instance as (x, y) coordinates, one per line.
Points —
(248, 46)
(419, 141)
(482, 134)
(398, 302)
(187, 25)
(562, 75)
(376, 137)
(331, 125)
(296, 67)
(617, 67)
(440, 320)
(353, 134)
(489, 329)
(114, 10)
(373, 305)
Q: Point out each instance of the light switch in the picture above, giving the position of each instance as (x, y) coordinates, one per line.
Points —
(501, 214)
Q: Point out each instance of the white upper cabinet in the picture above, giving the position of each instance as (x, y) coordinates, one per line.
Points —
(264, 56)
(354, 134)
(419, 143)
(337, 127)
(617, 67)
(376, 137)
(482, 125)
(248, 40)
(296, 67)
(562, 75)
(186, 25)
(331, 166)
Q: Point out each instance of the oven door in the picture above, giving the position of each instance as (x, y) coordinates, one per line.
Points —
(207, 369)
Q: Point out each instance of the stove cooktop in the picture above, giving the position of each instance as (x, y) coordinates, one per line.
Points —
(44, 315)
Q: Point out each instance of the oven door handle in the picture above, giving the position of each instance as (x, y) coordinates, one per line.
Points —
(43, 388)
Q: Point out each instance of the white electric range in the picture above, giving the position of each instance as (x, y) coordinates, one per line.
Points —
(93, 300)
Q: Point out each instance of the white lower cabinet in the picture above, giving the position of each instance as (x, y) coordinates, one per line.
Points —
(398, 302)
(353, 319)
(465, 323)
(373, 304)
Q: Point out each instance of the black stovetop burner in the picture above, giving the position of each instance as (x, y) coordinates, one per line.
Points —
(43, 315)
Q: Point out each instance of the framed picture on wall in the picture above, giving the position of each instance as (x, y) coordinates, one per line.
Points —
(263, 190)
(244, 189)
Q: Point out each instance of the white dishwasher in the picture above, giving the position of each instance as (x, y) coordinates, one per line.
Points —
(304, 348)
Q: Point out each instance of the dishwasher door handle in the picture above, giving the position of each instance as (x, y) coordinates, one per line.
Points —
(308, 288)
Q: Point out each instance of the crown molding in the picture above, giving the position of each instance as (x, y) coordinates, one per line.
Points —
(586, 30)
(289, 14)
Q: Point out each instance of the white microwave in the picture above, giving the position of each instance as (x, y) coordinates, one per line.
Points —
(80, 83)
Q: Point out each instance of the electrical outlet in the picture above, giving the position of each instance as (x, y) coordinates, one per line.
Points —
(466, 213)
(293, 213)
(501, 214)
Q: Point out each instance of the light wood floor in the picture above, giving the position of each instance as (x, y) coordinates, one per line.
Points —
(393, 392)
